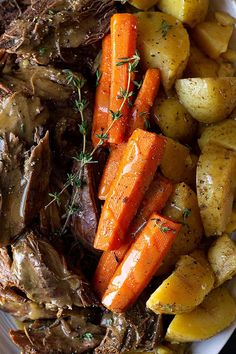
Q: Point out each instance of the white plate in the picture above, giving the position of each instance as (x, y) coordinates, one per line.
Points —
(210, 346)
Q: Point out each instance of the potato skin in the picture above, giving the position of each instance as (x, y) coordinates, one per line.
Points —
(189, 12)
(216, 182)
(217, 312)
(208, 100)
(166, 50)
(222, 133)
(174, 120)
(178, 164)
(212, 38)
(183, 207)
(222, 258)
(184, 289)
(199, 65)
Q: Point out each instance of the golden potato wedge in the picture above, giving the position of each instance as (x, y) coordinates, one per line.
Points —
(222, 258)
(226, 70)
(189, 12)
(174, 120)
(224, 19)
(229, 55)
(216, 183)
(231, 226)
(199, 65)
(212, 37)
(183, 207)
(143, 4)
(222, 133)
(208, 100)
(178, 164)
(163, 43)
(184, 289)
(213, 315)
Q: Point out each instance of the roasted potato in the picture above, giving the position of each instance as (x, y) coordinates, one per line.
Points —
(208, 100)
(199, 65)
(189, 12)
(185, 288)
(231, 226)
(183, 207)
(212, 37)
(216, 182)
(217, 312)
(222, 258)
(143, 4)
(163, 43)
(224, 19)
(226, 70)
(229, 55)
(174, 120)
(178, 164)
(222, 133)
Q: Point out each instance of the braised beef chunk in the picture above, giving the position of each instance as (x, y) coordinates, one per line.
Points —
(19, 306)
(73, 334)
(7, 278)
(84, 221)
(48, 27)
(137, 329)
(23, 183)
(42, 274)
(9, 11)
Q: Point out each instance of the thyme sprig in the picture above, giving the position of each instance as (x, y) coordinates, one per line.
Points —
(84, 157)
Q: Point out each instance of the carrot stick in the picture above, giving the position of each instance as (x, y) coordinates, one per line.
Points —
(102, 98)
(123, 43)
(141, 158)
(154, 201)
(140, 263)
(145, 100)
(110, 170)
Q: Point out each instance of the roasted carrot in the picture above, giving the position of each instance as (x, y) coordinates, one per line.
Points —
(145, 100)
(140, 263)
(123, 44)
(154, 201)
(102, 97)
(110, 170)
(141, 158)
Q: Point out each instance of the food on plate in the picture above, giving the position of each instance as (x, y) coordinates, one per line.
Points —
(222, 258)
(185, 288)
(213, 315)
(188, 12)
(215, 189)
(208, 100)
(163, 43)
(174, 120)
(117, 161)
(213, 37)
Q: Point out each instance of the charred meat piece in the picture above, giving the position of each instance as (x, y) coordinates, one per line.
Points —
(73, 334)
(84, 221)
(42, 274)
(7, 278)
(137, 329)
(49, 26)
(9, 11)
(23, 184)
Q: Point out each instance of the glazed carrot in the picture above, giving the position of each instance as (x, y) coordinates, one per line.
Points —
(102, 98)
(123, 44)
(154, 201)
(145, 100)
(140, 263)
(141, 158)
(110, 170)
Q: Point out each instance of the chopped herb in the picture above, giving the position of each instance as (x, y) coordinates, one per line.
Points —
(56, 197)
(87, 336)
(83, 128)
(116, 115)
(42, 50)
(186, 213)
(165, 28)
(138, 84)
(98, 77)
